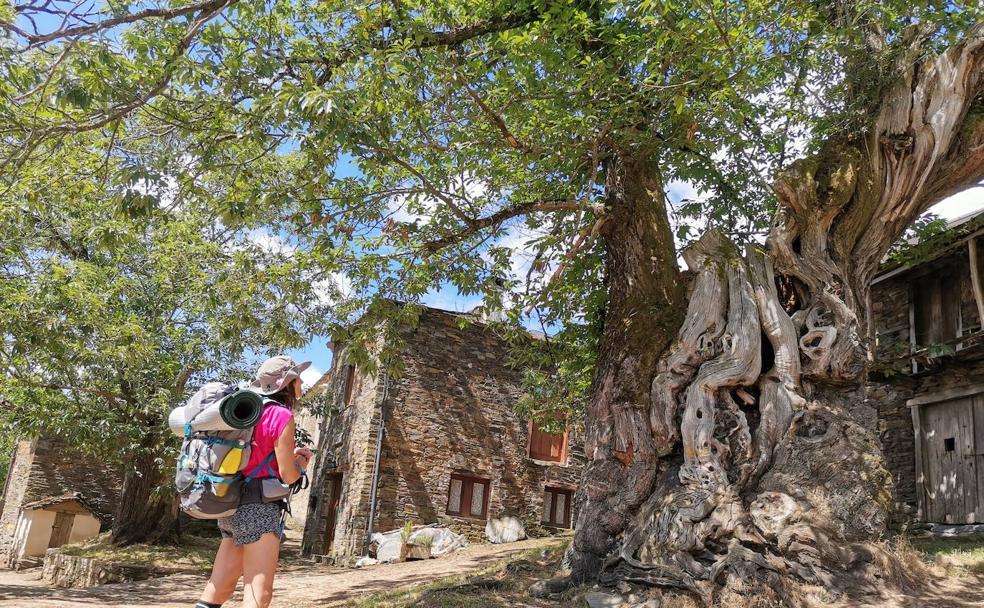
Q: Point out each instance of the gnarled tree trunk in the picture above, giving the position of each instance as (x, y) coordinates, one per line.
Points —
(751, 457)
(645, 301)
(147, 511)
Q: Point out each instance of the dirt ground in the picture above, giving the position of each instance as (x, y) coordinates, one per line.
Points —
(301, 584)
(297, 585)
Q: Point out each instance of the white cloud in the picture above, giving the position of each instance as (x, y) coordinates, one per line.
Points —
(419, 207)
(271, 243)
(310, 376)
(519, 239)
(328, 290)
(447, 301)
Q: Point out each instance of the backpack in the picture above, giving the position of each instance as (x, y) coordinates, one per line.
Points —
(209, 476)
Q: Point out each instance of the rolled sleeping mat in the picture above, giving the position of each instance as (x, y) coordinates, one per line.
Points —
(240, 409)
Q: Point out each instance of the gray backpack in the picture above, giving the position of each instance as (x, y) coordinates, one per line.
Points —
(214, 451)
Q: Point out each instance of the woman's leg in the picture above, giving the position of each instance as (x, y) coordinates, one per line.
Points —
(226, 570)
(259, 565)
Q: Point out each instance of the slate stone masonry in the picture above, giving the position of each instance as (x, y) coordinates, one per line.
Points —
(450, 411)
(45, 467)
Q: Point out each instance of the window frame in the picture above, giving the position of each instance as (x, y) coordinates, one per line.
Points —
(468, 482)
(348, 386)
(567, 522)
(564, 450)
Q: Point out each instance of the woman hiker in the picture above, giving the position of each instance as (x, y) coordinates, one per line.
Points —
(251, 536)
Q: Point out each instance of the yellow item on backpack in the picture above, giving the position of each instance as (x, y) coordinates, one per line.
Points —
(232, 461)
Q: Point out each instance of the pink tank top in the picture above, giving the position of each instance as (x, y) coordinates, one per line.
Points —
(265, 434)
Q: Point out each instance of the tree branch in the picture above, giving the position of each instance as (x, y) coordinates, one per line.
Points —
(497, 218)
(151, 13)
(423, 40)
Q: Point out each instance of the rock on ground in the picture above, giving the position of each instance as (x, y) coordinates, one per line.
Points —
(597, 599)
(443, 541)
(505, 530)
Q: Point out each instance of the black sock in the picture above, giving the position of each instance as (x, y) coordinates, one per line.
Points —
(204, 604)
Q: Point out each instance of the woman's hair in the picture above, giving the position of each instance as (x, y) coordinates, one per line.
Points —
(285, 395)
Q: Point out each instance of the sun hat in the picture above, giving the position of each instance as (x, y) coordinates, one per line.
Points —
(276, 373)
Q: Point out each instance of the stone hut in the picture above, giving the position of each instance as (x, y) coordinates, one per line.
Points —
(928, 376)
(53, 496)
(440, 444)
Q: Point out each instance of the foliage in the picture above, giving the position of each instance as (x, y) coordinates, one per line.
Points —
(109, 317)
(406, 531)
(919, 241)
(962, 553)
(452, 143)
(8, 442)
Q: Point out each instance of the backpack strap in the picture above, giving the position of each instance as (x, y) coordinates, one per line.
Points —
(266, 465)
(232, 443)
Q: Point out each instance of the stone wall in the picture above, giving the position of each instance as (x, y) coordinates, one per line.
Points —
(451, 412)
(13, 496)
(62, 570)
(898, 441)
(47, 467)
(346, 446)
(309, 423)
(890, 315)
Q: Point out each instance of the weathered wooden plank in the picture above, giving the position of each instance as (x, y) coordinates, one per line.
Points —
(947, 423)
(975, 277)
(922, 508)
(947, 395)
(963, 411)
(978, 409)
(935, 497)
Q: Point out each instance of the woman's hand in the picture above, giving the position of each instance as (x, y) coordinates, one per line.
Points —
(302, 456)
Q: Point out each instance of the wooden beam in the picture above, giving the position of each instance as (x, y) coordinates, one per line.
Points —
(975, 277)
(946, 395)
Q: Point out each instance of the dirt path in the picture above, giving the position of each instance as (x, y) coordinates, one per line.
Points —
(298, 587)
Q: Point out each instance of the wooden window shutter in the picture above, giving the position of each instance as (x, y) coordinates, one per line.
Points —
(551, 447)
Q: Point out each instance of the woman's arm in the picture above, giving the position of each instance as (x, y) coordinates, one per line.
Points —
(290, 464)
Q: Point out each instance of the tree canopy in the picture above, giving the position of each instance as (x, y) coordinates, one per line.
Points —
(117, 298)
(419, 144)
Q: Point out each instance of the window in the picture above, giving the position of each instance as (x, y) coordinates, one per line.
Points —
(557, 507)
(551, 447)
(349, 372)
(468, 496)
(936, 308)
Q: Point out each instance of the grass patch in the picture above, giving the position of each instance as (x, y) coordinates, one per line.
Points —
(194, 553)
(958, 553)
(501, 585)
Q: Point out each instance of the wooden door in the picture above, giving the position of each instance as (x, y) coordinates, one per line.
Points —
(333, 482)
(61, 530)
(952, 487)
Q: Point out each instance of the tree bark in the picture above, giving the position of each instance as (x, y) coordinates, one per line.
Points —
(644, 310)
(744, 455)
(147, 511)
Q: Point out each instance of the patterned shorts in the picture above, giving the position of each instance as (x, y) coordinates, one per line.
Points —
(252, 521)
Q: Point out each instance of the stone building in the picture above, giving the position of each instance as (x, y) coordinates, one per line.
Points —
(53, 495)
(928, 376)
(441, 443)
